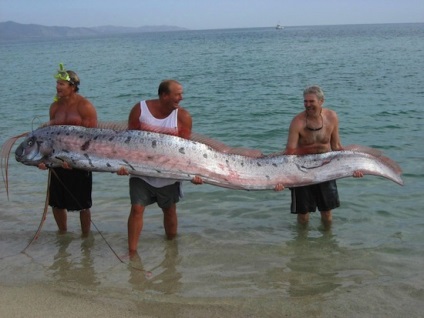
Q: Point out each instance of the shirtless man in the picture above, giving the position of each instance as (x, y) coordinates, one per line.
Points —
(70, 189)
(314, 131)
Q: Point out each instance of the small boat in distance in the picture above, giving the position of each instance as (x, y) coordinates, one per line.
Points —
(279, 27)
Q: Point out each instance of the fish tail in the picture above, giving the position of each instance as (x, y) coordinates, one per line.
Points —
(377, 154)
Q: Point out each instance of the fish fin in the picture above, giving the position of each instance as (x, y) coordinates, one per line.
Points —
(123, 125)
(114, 125)
(6, 148)
(117, 125)
(246, 152)
(358, 148)
(215, 144)
(159, 130)
(275, 154)
(221, 147)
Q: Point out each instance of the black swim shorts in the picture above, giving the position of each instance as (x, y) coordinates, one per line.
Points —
(322, 195)
(70, 189)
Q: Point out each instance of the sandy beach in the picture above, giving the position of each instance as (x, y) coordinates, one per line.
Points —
(48, 301)
(39, 301)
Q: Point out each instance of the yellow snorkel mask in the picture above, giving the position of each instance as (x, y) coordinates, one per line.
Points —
(63, 75)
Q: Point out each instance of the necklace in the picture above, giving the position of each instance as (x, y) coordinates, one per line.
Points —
(314, 129)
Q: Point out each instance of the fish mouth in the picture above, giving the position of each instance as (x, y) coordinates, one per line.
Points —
(19, 153)
(27, 151)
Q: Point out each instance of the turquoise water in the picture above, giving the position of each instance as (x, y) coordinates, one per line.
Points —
(238, 253)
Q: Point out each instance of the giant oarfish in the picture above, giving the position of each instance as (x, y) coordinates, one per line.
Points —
(159, 155)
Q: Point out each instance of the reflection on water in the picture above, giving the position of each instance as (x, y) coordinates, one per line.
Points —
(163, 278)
(75, 262)
(72, 268)
(312, 265)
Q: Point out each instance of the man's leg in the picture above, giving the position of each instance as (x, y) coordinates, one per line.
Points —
(170, 221)
(135, 225)
(326, 218)
(303, 218)
(60, 217)
(85, 219)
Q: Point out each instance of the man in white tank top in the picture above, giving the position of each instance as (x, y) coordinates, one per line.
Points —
(163, 115)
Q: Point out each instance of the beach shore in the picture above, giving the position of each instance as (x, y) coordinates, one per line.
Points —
(40, 301)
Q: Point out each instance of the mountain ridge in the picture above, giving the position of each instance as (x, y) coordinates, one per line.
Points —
(10, 30)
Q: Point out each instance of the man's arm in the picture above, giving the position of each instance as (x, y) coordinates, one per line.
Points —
(88, 115)
(185, 123)
(134, 117)
(335, 141)
(292, 139)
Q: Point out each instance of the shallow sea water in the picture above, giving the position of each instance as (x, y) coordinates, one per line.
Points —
(238, 253)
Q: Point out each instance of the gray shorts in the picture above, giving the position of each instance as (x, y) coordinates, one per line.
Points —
(145, 194)
(322, 195)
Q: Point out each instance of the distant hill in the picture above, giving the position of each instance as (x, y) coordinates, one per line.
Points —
(16, 31)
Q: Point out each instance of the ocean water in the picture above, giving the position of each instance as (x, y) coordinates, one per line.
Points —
(238, 253)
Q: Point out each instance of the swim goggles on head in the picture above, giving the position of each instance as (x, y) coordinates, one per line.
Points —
(63, 75)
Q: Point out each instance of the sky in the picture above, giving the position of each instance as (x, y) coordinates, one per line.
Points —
(210, 14)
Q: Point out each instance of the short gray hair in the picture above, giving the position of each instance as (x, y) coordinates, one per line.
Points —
(314, 89)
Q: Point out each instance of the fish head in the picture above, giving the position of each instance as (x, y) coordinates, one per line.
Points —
(32, 150)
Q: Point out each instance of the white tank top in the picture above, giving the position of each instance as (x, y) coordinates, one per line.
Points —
(170, 124)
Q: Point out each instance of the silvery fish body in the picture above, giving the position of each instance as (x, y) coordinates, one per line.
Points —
(159, 155)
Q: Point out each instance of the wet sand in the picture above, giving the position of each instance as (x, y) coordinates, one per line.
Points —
(39, 301)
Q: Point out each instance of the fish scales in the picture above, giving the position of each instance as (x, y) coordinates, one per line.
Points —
(158, 155)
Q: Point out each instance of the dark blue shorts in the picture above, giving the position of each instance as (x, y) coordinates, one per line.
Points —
(308, 198)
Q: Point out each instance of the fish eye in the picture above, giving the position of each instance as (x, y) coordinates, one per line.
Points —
(30, 142)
